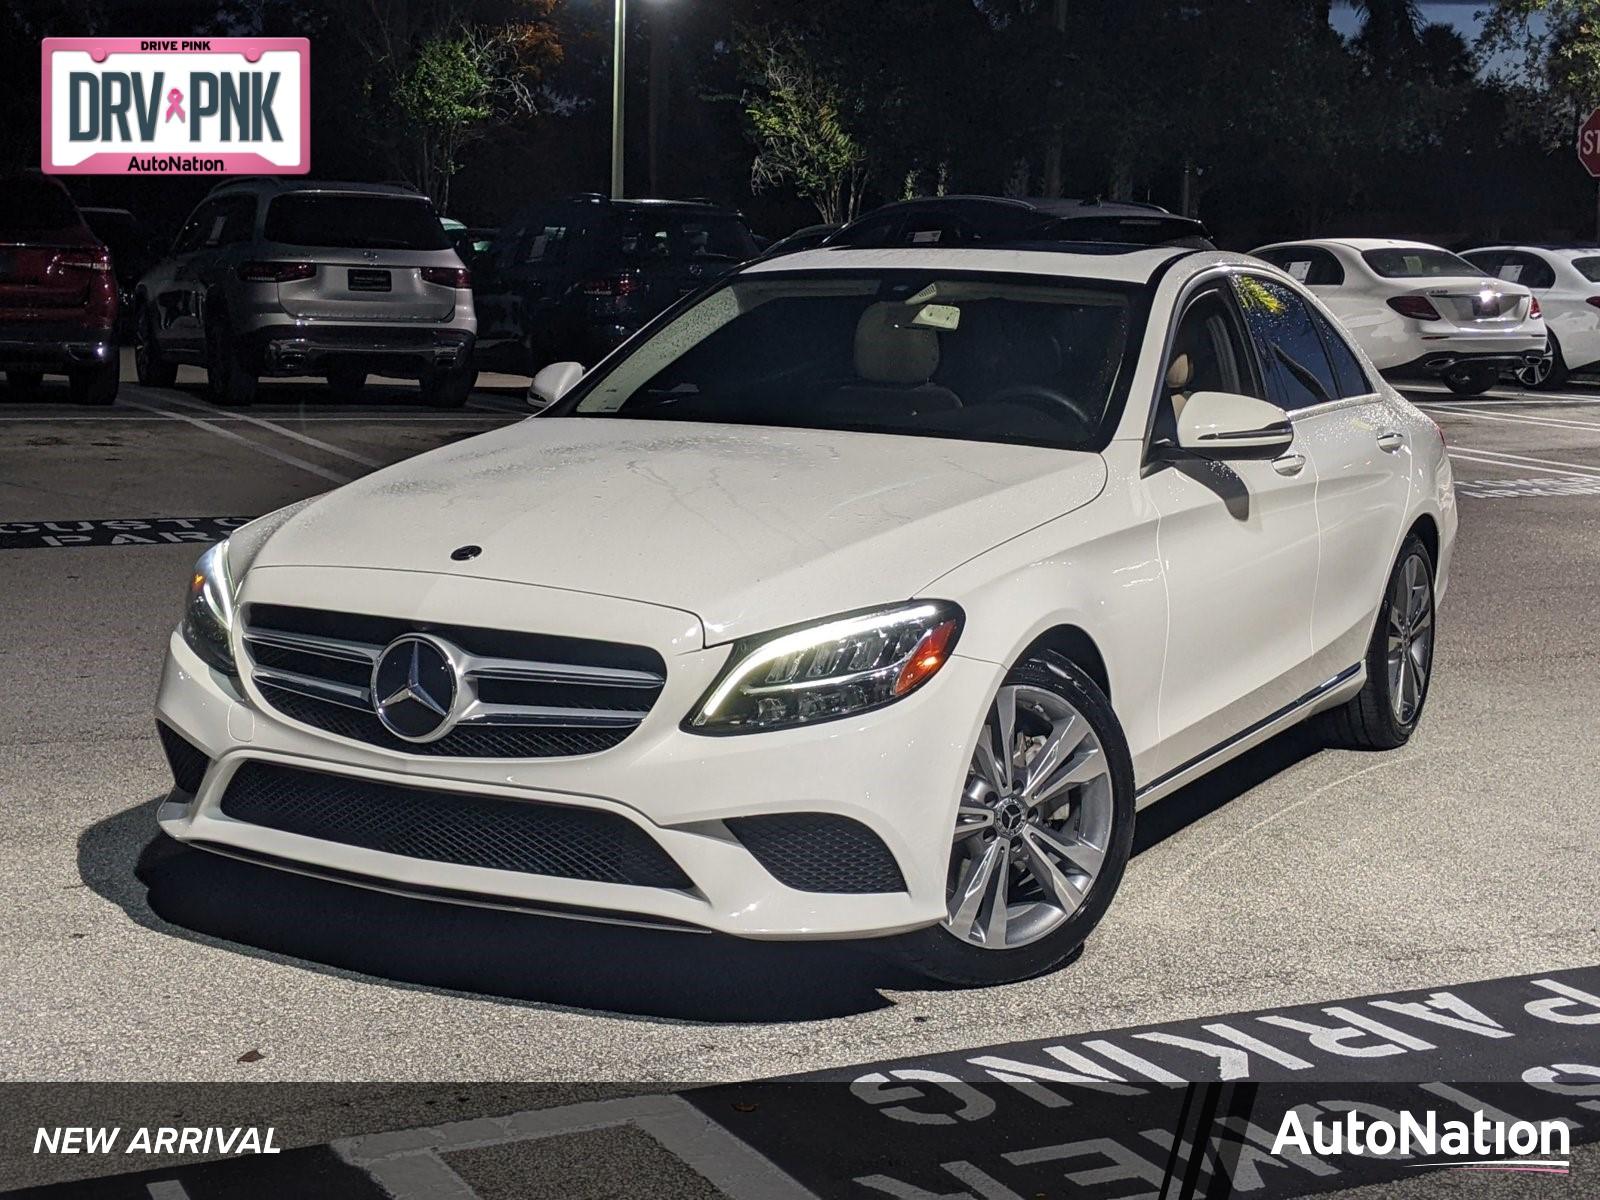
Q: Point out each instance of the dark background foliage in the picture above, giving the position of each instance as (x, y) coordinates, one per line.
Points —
(1255, 114)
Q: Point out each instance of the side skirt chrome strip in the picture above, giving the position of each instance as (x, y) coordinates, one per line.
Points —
(1350, 679)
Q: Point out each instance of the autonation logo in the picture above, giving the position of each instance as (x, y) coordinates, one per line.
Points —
(1481, 1144)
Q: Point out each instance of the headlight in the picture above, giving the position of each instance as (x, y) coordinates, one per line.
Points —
(208, 616)
(835, 668)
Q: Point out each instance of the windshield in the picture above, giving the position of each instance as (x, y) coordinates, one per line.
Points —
(355, 222)
(1414, 262)
(1003, 358)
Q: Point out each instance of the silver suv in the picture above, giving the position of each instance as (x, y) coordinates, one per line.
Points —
(288, 277)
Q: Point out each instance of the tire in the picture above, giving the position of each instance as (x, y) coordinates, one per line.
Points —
(230, 377)
(1375, 719)
(1091, 819)
(95, 385)
(24, 383)
(347, 383)
(153, 370)
(1549, 372)
(447, 389)
(1471, 380)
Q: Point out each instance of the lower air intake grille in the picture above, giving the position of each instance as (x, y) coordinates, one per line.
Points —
(817, 852)
(188, 763)
(450, 827)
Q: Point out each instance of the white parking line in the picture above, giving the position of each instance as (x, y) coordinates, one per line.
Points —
(1496, 458)
(1514, 418)
(407, 1165)
(284, 431)
(321, 472)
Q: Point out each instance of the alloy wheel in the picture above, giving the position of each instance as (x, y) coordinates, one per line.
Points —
(1410, 655)
(1034, 823)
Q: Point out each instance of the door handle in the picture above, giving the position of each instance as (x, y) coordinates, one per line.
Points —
(1391, 441)
(1289, 464)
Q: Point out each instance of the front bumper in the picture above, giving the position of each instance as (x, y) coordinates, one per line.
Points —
(54, 346)
(898, 771)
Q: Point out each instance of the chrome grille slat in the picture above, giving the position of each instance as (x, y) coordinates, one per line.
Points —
(479, 713)
(521, 695)
(318, 689)
(320, 646)
(538, 672)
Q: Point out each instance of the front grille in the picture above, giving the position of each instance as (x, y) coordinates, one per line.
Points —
(451, 827)
(525, 695)
(819, 852)
(188, 763)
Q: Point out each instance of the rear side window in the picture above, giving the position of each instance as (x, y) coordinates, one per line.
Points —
(354, 222)
(1299, 373)
(546, 243)
(29, 205)
(1417, 262)
(1589, 268)
(1348, 376)
(1529, 270)
(647, 236)
(1310, 265)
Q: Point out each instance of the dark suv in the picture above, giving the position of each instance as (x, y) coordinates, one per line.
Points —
(976, 220)
(58, 296)
(295, 277)
(572, 278)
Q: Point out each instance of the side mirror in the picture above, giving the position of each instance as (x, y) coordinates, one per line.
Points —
(1225, 425)
(553, 382)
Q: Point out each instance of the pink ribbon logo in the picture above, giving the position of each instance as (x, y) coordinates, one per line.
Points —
(175, 106)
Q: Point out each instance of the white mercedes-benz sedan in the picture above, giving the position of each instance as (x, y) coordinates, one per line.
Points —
(866, 594)
(1565, 280)
(1417, 309)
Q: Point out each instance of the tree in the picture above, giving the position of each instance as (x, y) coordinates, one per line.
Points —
(446, 94)
(798, 118)
(439, 75)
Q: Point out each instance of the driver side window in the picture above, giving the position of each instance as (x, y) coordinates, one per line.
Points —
(1209, 354)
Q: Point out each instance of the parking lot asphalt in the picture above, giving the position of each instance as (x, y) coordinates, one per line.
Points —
(1297, 876)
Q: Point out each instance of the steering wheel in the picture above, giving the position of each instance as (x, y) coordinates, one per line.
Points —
(1050, 402)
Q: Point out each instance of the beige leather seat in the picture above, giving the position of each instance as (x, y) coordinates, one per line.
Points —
(1180, 375)
(894, 366)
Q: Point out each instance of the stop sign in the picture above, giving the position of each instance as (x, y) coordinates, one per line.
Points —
(1589, 143)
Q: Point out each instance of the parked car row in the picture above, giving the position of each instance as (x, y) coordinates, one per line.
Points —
(270, 277)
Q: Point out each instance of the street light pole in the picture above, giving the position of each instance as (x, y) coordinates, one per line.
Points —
(618, 73)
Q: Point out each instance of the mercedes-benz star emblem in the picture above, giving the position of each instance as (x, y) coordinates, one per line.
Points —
(414, 688)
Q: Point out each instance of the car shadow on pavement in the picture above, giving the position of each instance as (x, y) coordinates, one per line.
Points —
(488, 954)
(1200, 799)
(521, 959)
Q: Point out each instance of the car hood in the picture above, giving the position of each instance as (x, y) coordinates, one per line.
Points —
(747, 528)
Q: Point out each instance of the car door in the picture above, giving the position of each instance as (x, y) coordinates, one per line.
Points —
(1237, 540)
(1358, 449)
(173, 293)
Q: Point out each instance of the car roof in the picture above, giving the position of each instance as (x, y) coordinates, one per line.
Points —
(1570, 250)
(1109, 261)
(1055, 206)
(277, 187)
(1357, 244)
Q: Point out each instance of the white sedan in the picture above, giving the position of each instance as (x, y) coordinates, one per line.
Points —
(1566, 283)
(866, 595)
(1418, 309)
